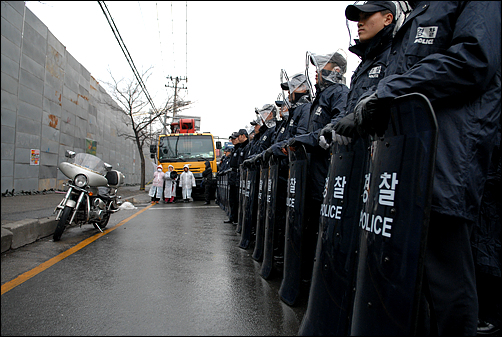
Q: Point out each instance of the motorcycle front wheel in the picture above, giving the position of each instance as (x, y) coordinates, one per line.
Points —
(63, 221)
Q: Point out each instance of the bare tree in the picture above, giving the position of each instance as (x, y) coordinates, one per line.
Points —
(131, 100)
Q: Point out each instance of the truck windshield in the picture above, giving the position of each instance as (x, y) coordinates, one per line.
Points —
(182, 148)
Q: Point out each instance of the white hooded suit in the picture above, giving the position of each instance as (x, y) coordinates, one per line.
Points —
(187, 181)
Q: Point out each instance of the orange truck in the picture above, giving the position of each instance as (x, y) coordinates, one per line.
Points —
(185, 145)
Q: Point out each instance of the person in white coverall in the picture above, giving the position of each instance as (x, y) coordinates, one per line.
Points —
(187, 181)
(170, 178)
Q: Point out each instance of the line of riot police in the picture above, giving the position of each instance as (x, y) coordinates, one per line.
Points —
(334, 189)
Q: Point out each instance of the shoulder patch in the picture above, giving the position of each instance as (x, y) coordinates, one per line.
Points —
(426, 35)
(374, 72)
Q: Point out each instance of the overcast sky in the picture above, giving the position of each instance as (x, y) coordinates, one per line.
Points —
(235, 50)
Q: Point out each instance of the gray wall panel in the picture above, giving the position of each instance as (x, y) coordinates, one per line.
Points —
(12, 11)
(48, 172)
(30, 111)
(8, 168)
(27, 141)
(10, 67)
(31, 81)
(31, 97)
(50, 102)
(10, 49)
(8, 135)
(10, 84)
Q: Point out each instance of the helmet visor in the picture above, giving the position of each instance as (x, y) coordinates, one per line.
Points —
(267, 114)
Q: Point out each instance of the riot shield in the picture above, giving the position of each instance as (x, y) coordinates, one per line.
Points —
(220, 188)
(226, 182)
(242, 190)
(271, 201)
(394, 221)
(249, 208)
(331, 292)
(295, 216)
(261, 213)
(225, 191)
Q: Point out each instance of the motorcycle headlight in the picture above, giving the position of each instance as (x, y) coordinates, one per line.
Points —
(81, 180)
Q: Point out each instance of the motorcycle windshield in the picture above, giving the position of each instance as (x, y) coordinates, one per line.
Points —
(90, 162)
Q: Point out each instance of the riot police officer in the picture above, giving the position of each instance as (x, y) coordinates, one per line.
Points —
(268, 116)
(377, 22)
(330, 100)
(295, 110)
(252, 150)
(244, 145)
(233, 179)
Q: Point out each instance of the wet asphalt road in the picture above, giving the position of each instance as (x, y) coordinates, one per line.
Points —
(171, 270)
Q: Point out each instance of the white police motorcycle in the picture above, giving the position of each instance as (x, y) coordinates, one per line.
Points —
(92, 193)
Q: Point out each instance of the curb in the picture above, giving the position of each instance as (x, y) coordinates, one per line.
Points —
(23, 232)
(20, 233)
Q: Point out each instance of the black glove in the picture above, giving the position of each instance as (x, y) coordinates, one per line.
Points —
(292, 142)
(346, 126)
(326, 136)
(247, 163)
(257, 160)
(267, 154)
(371, 115)
(326, 132)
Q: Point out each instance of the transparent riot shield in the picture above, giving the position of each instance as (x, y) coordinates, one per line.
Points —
(261, 212)
(295, 217)
(242, 190)
(250, 206)
(394, 221)
(271, 201)
(331, 292)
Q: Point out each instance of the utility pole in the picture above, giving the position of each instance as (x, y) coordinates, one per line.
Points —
(176, 80)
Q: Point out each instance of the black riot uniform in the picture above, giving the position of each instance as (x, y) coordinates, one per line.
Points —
(330, 100)
(322, 313)
(265, 139)
(446, 51)
(244, 152)
(294, 123)
(207, 176)
(374, 55)
(486, 243)
(371, 70)
(253, 147)
(233, 182)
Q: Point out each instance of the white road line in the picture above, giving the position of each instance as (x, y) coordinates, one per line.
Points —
(186, 207)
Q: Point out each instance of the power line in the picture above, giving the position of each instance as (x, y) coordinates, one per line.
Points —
(160, 39)
(176, 80)
(186, 40)
(172, 35)
(122, 45)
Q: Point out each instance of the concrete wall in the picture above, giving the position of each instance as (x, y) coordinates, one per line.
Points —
(50, 102)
